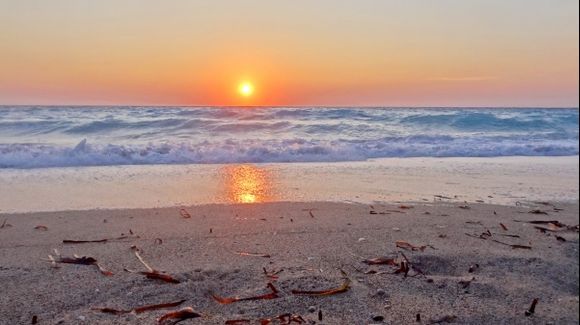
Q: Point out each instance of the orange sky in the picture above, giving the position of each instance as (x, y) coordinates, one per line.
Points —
(367, 52)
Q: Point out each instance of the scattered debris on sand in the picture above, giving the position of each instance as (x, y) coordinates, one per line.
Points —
(141, 309)
(80, 260)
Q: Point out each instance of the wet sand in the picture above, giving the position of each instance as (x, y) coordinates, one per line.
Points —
(506, 179)
(202, 253)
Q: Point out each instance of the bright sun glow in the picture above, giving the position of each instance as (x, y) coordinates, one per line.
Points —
(246, 89)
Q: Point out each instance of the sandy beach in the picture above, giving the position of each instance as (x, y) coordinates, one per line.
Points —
(461, 268)
(289, 162)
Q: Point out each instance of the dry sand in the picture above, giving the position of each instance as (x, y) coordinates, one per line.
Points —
(201, 252)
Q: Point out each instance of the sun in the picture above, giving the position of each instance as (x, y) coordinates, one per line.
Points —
(246, 89)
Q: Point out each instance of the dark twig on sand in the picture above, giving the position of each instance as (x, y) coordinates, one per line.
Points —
(532, 309)
(103, 240)
(486, 235)
(5, 224)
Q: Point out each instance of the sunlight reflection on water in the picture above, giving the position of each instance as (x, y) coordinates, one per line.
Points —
(247, 184)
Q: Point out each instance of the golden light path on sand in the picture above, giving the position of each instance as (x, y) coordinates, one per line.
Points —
(247, 184)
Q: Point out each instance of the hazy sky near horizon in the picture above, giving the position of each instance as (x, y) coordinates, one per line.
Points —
(295, 52)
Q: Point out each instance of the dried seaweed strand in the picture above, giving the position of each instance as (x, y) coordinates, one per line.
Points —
(272, 295)
(141, 309)
(343, 288)
(253, 254)
(184, 213)
(80, 260)
(179, 315)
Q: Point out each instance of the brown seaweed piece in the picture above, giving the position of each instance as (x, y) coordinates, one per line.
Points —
(151, 273)
(112, 311)
(328, 292)
(403, 264)
(184, 214)
(513, 246)
(508, 235)
(381, 261)
(560, 238)
(103, 240)
(552, 225)
(405, 245)
(80, 260)
(394, 211)
(139, 310)
(178, 316)
(284, 319)
(72, 241)
(486, 235)
(41, 227)
(253, 254)
(273, 274)
(272, 295)
(545, 222)
(156, 275)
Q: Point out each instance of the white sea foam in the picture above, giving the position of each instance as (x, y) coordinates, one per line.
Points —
(32, 137)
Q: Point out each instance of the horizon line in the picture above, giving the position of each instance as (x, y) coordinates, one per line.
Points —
(284, 106)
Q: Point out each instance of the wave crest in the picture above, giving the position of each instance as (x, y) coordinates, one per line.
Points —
(261, 151)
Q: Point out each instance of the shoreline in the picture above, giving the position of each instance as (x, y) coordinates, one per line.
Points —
(223, 248)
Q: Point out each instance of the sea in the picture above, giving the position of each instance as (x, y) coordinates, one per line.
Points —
(62, 136)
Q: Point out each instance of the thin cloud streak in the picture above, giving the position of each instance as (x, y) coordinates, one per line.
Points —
(473, 78)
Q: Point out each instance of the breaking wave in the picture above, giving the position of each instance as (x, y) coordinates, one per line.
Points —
(33, 137)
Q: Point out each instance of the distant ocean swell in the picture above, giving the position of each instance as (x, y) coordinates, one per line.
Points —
(33, 137)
